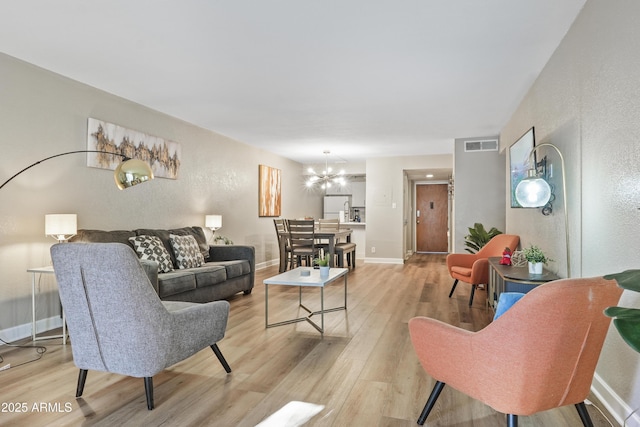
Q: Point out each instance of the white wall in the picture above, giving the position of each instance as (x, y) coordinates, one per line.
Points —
(43, 114)
(587, 102)
(387, 194)
(479, 190)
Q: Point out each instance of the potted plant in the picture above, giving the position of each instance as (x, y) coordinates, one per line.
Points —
(478, 237)
(323, 263)
(536, 258)
(627, 320)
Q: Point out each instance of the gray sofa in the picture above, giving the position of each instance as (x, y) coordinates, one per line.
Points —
(227, 269)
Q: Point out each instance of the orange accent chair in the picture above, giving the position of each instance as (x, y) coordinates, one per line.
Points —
(474, 268)
(540, 354)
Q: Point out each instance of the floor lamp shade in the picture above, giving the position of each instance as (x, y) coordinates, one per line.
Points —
(61, 226)
(533, 192)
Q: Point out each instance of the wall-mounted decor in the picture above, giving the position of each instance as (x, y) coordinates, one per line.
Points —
(520, 161)
(163, 156)
(270, 197)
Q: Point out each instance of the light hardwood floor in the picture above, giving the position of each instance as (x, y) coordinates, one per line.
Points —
(363, 370)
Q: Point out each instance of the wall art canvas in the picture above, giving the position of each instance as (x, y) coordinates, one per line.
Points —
(270, 197)
(163, 156)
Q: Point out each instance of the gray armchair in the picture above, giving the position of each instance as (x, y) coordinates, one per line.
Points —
(117, 322)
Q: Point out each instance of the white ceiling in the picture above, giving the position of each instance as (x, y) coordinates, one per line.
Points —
(361, 78)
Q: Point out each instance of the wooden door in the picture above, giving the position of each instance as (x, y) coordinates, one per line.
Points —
(432, 217)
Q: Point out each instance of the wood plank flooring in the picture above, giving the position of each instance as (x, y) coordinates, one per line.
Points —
(363, 370)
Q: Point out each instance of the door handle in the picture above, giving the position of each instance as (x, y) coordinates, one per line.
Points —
(418, 222)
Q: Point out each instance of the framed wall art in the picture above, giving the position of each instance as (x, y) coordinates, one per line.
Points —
(520, 161)
(269, 190)
(163, 156)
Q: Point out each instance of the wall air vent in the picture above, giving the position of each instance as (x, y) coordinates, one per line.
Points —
(481, 145)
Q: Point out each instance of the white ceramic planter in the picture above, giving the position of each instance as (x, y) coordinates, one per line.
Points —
(535, 268)
(324, 271)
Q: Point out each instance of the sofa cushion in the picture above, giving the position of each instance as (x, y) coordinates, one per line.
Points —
(235, 268)
(175, 282)
(151, 248)
(196, 232)
(463, 271)
(186, 251)
(100, 236)
(209, 274)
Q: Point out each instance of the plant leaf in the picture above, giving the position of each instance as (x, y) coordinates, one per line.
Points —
(624, 313)
(629, 331)
(628, 279)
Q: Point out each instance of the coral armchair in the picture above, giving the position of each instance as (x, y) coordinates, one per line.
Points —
(474, 268)
(548, 345)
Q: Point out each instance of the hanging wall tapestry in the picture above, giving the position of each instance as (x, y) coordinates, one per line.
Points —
(163, 156)
(269, 191)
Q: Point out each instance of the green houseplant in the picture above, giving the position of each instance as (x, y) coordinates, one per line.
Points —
(627, 320)
(534, 255)
(478, 237)
(536, 258)
(322, 262)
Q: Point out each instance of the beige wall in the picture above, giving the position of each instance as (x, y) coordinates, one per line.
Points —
(43, 114)
(387, 213)
(587, 102)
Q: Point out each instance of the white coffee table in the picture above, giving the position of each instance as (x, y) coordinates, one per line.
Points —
(295, 278)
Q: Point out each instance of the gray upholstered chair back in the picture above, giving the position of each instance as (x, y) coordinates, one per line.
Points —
(111, 309)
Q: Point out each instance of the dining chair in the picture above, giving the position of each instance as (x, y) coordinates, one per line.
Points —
(302, 240)
(538, 355)
(284, 246)
(474, 268)
(348, 249)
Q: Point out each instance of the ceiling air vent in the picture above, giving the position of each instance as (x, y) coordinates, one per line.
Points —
(481, 145)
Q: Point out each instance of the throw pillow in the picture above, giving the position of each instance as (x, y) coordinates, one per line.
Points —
(186, 251)
(152, 249)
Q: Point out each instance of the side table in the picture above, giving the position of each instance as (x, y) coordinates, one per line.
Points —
(507, 278)
(35, 271)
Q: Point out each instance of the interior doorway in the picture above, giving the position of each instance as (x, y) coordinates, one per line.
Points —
(432, 218)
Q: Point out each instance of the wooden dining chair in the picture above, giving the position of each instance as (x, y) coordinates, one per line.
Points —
(303, 242)
(284, 246)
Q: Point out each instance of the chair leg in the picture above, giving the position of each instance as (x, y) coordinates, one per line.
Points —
(435, 393)
(148, 389)
(453, 288)
(473, 291)
(82, 377)
(512, 420)
(584, 414)
(221, 358)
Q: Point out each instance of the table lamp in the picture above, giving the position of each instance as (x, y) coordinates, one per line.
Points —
(61, 226)
(214, 222)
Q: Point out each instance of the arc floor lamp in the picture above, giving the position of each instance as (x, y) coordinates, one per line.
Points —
(535, 192)
(129, 172)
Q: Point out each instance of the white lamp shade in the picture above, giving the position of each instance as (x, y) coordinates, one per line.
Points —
(61, 226)
(213, 221)
(533, 193)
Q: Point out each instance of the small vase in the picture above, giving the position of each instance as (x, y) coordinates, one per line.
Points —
(535, 268)
(324, 271)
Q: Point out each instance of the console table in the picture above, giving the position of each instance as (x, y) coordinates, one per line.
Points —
(507, 278)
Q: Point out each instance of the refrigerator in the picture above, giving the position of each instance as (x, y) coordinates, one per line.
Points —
(335, 205)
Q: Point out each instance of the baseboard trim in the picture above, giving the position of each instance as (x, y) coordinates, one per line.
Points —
(614, 404)
(24, 331)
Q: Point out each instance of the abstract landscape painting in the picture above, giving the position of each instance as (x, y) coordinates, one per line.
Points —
(163, 156)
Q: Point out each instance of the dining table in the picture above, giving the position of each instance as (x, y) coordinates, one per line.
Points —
(331, 236)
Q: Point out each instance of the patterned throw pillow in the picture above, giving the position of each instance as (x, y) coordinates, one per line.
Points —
(152, 249)
(186, 251)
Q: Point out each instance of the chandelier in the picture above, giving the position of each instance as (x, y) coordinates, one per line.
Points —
(327, 178)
